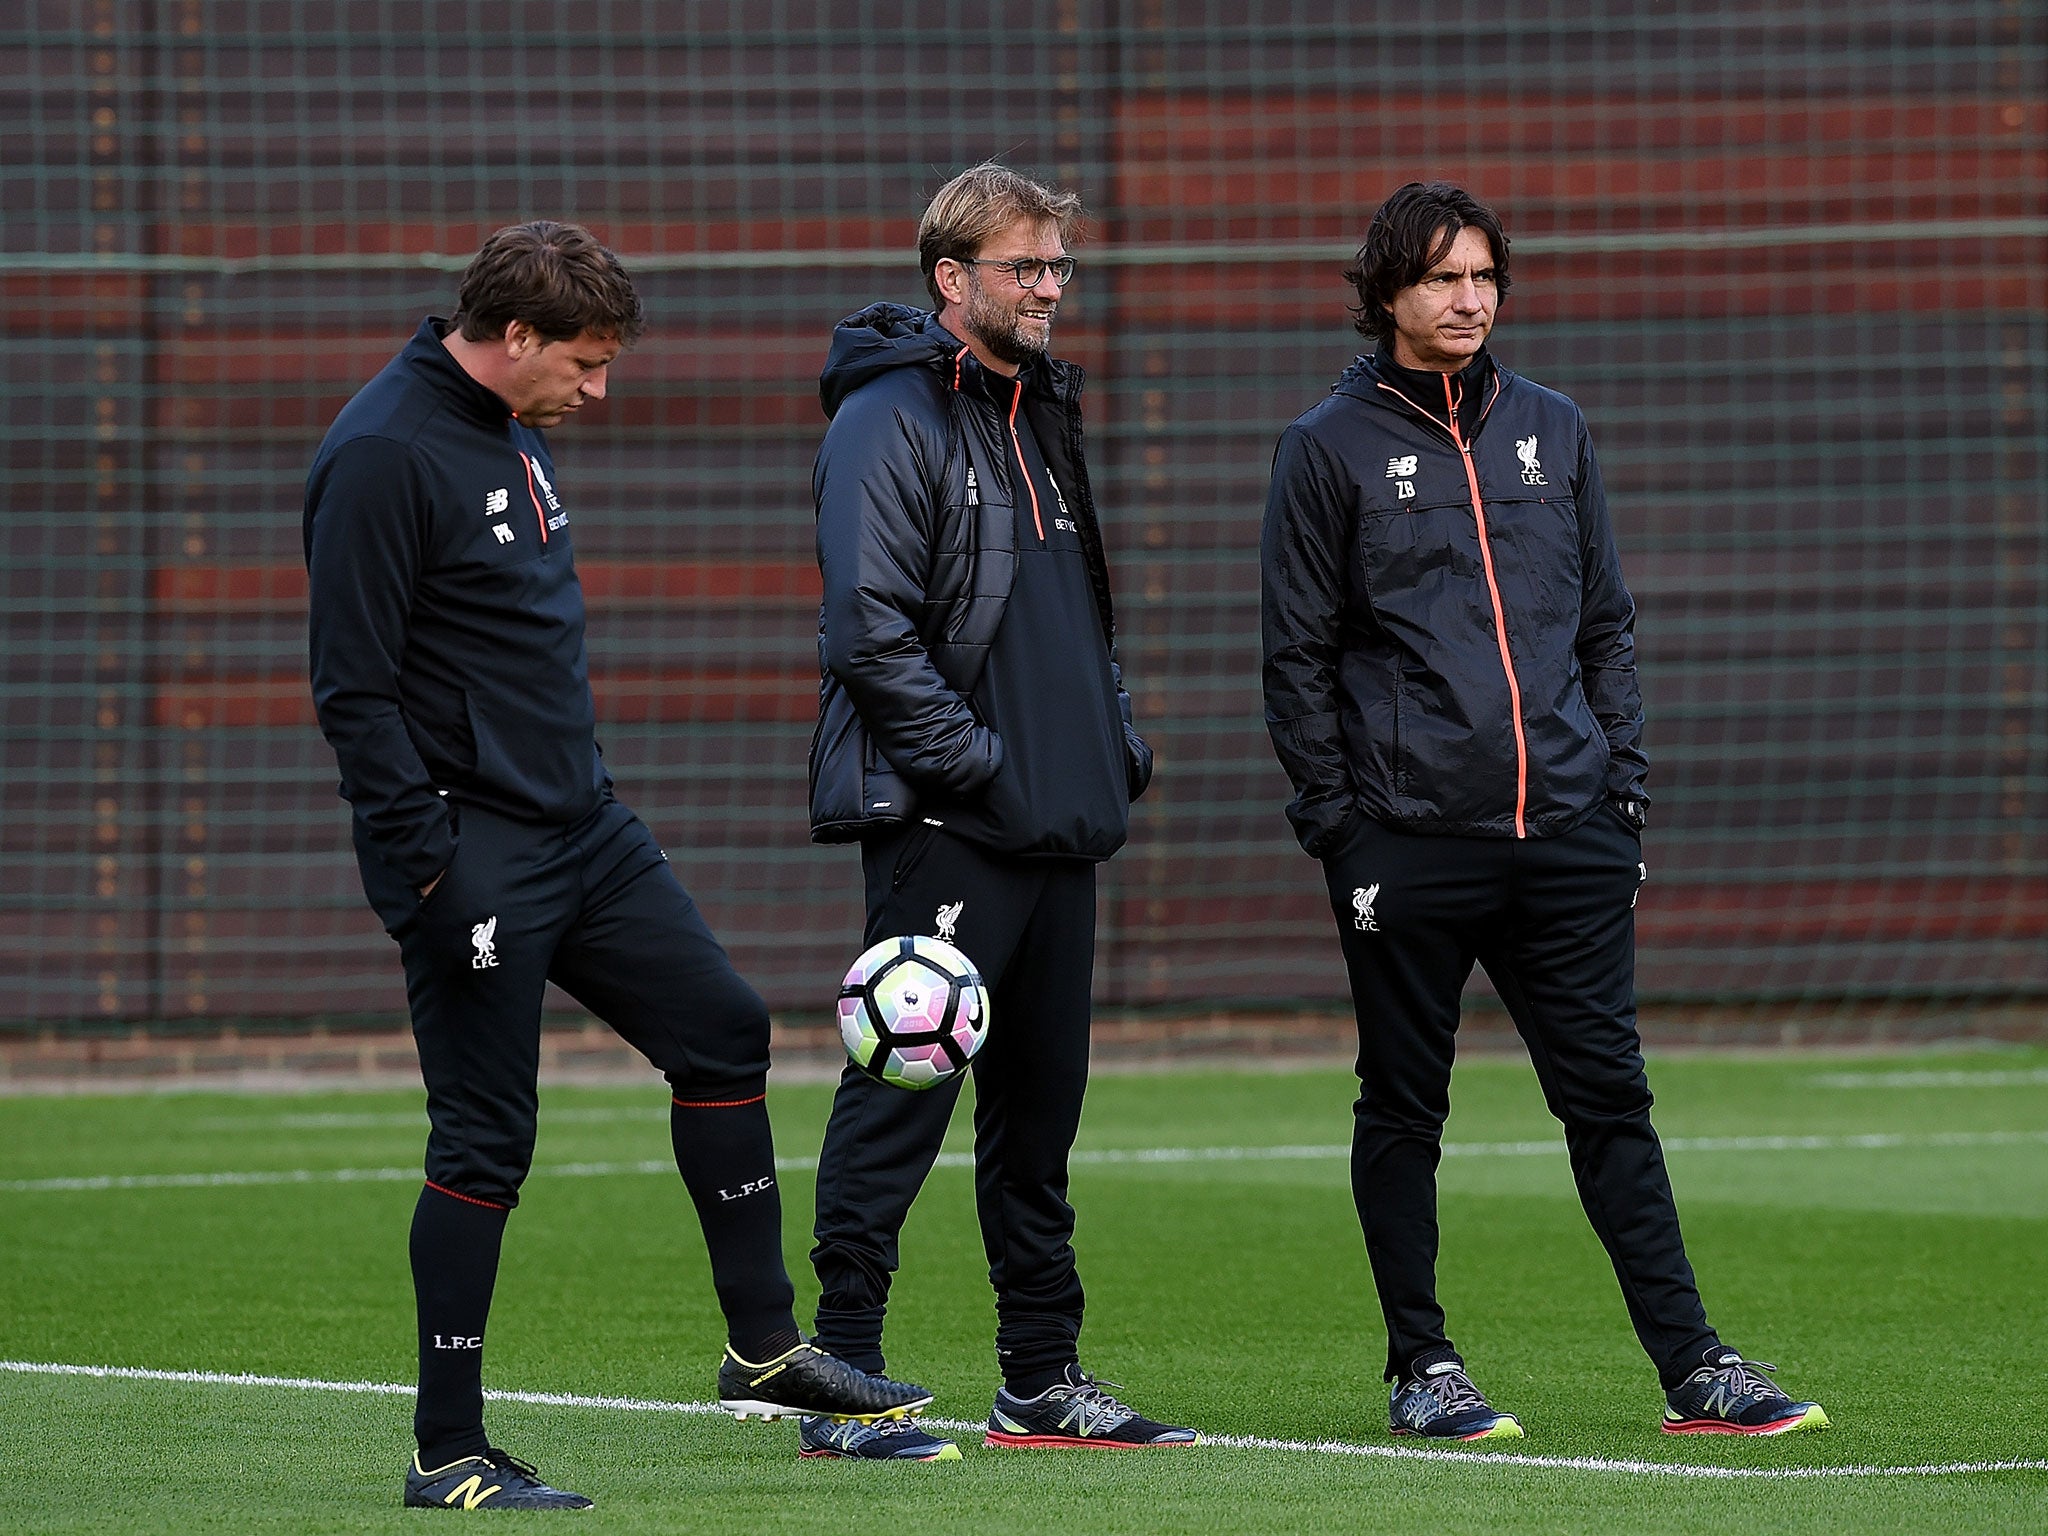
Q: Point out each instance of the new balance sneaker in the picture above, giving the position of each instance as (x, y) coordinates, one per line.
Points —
(1440, 1403)
(1729, 1395)
(1079, 1412)
(493, 1480)
(886, 1440)
(806, 1381)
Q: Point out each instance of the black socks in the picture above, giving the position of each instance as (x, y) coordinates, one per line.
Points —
(726, 1155)
(1029, 1384)
(455, 1244)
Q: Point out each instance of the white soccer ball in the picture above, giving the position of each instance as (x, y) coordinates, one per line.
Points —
(912, 1012)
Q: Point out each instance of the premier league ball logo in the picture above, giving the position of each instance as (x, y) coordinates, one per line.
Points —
(912, 1012)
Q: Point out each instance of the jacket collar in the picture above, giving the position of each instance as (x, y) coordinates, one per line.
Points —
(1046, 378)
(426, 357)
(1382, 381)
(886, 336)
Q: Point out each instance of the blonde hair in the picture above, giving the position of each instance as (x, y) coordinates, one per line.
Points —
(979, 203)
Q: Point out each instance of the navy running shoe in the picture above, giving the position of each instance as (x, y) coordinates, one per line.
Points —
(885, 1440)
(1729, 1395)
(1079, 1414)
(1439, 1402)
(805, 1382)
(493, 1480)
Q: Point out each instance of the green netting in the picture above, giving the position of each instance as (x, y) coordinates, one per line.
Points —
(1791, 258)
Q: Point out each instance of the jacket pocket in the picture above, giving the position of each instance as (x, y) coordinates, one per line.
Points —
(1544, 532)
(1411, 558)
(883, 791)
(438, 720)
(916, 844)
(1397, 756)
(447, 871)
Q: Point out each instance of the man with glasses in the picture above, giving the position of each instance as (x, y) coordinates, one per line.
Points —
(974, 737)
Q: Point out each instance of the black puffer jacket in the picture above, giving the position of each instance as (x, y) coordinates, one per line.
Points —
(917, 543)
(1448, 644)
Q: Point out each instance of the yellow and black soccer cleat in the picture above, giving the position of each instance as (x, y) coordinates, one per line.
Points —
(806, 1382)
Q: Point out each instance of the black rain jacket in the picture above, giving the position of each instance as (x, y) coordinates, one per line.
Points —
(1449, 647)
(917, 544)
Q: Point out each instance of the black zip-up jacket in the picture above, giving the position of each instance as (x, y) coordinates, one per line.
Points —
(1449, 647)
(446, 618)
(917, 544)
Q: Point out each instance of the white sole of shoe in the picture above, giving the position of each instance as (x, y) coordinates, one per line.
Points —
(754, 1408)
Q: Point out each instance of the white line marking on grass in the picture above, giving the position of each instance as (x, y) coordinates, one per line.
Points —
(2002, 1079)
(1100, 1157)
(415, 1119)
(969, 1426)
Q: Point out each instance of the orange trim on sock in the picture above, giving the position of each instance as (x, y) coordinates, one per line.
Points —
(714, 1103)
(452, 1194)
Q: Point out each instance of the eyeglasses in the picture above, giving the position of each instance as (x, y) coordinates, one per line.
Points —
(1029, 270)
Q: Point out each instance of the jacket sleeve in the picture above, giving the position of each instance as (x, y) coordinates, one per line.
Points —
(1302, 553)
(1607, 633)
(875, 482)
(366, 519)
(1137, 752)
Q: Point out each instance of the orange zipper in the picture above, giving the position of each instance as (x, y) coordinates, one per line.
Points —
(1022, 469)
(534, 496)
(1500, 617)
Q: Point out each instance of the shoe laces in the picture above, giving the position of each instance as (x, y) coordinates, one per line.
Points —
(842, 1433)
(1453, 1391)
(1092, 1391)
(1746, 1378)
(505, 1461)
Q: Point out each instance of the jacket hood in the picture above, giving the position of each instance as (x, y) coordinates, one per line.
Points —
(879, 338)
(1358, 380)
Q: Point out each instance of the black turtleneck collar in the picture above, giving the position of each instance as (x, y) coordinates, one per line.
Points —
(1424, 388)
(998, 388)
(430, 358)
(1002, 388)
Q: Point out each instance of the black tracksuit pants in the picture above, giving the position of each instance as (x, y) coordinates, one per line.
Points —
(1553, 922)
(595, 908)
(1029, 927)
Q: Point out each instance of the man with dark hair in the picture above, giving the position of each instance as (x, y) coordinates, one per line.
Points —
(450, 676)
(1450, 684)
(975, 738)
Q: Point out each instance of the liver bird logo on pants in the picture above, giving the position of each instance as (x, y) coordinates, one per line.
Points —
(1361, 903)
(481, 936)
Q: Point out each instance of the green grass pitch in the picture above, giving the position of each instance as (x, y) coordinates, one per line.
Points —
(1877, 1225)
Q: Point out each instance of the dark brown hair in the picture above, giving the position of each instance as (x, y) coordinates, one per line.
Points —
(1411, 232)
(978, 204)
(555, 277)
